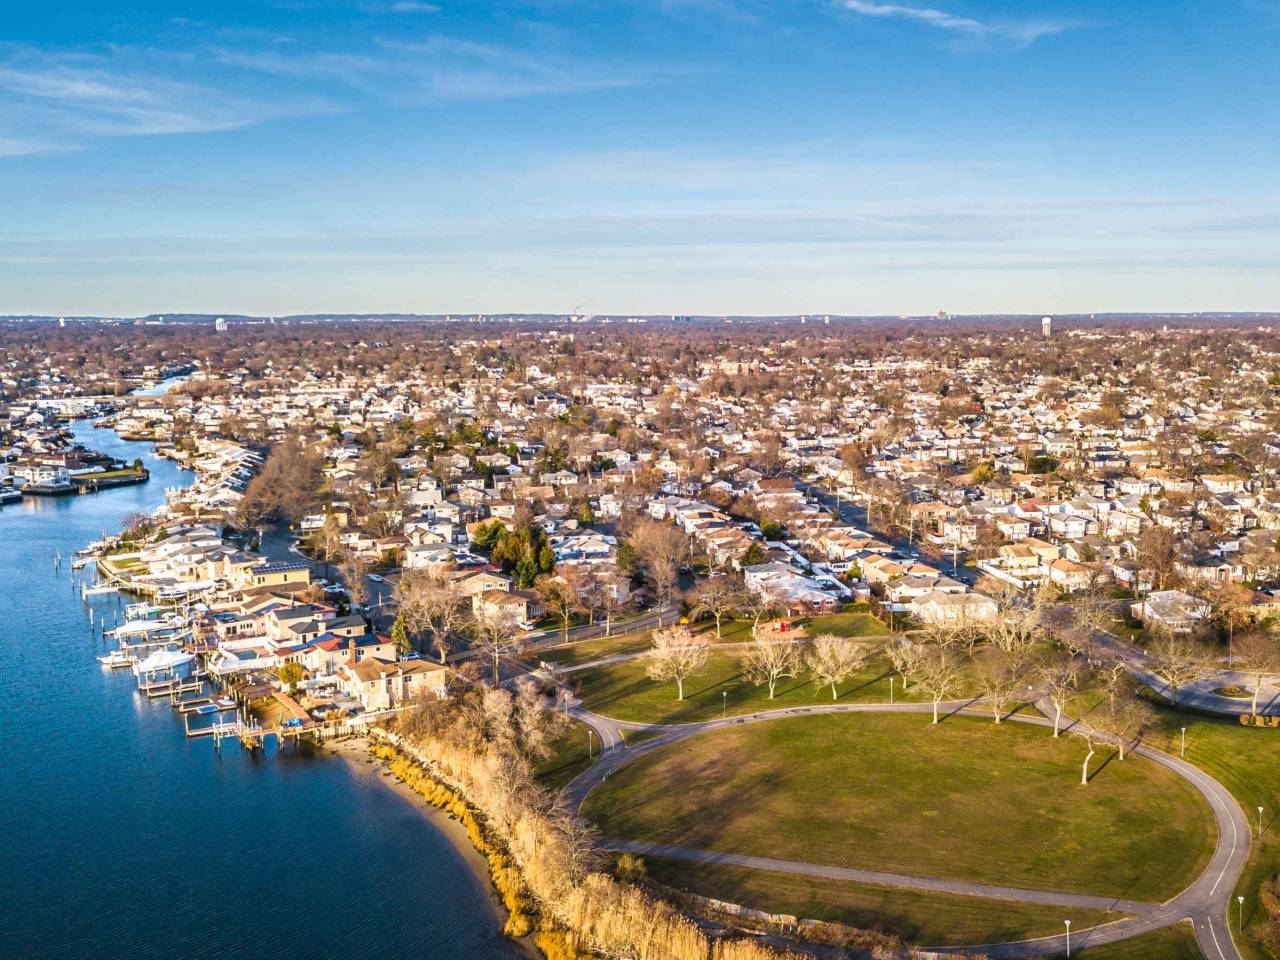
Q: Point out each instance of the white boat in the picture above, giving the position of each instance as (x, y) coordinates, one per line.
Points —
(164, 665)
(80, 562)
(145, 628)
(99, 590)
(114, 660)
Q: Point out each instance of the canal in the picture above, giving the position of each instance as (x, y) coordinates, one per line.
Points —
(123, 840)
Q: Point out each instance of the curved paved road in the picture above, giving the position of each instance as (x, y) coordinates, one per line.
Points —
(1206, 902)
(1197, 695)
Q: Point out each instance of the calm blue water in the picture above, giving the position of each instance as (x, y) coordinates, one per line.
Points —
(121, 839)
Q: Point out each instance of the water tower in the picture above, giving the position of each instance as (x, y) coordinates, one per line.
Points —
(1046, 326)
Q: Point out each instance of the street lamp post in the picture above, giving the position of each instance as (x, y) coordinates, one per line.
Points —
(1068, 923)
(1259, 820)
(891, 688)
(1183, 751)
(590, 741)
(724, 704)
(1240, 914)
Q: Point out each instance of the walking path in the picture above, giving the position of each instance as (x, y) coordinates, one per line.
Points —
(1206, 902)
(935, 885)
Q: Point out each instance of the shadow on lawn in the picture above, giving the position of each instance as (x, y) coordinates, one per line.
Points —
(1097, 771)
(867, 683)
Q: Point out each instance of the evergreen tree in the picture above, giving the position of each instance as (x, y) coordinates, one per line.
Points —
(400, 636)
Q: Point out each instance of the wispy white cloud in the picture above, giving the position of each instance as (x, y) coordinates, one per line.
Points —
(64, 99)
(59, 100)
(438, 68)
(1022, 32)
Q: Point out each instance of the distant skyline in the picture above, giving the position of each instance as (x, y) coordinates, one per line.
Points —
(638, 156)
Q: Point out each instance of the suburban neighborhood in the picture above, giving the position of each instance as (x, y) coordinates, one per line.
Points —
(573, 568)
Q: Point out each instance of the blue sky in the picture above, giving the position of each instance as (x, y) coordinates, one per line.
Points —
(681, 156)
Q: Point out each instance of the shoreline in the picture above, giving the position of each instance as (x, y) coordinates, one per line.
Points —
(355, 751)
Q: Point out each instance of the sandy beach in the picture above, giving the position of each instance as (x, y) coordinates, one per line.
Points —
(355, 751)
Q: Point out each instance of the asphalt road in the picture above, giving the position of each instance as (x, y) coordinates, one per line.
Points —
(1197, 695)
(856, 515)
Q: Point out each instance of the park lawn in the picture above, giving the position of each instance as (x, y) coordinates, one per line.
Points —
(1177, 942)
(589, 650)
(625, 692)
(568, 756)
(731, 631)
(123, 567)
(847, 625)
(963, 800)
(925, 919)
(1242, 759)
(114, 474)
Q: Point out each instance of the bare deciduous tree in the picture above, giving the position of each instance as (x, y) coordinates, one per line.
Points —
(496, 641)
(1177, 659)
(718, 597)
(760, 605)
(1001, 678)
(766, 662)
(906, 656)
(939, 675)
(675, 656)
(1258, 655)
(354, 571)
(431, 603)
(1060, 677)
(832, 660)
(1124, 718)
(1084, 768)
(537, 724)
(612, 604)
(561, 594)
(659, 549)
(1016, 632)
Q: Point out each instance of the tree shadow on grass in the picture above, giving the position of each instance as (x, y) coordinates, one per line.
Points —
(604, 697)
(866, 683)
(1096, 771)
(727, 682)
(799, 685)
(955, 711)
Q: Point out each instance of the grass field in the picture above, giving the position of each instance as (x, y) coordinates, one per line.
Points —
(965, 800)
(853, 624)
(590, 650)
(926, 919)
(847, 625)
(1172, 943)
(625, 692)
(1244, 760)
(568, 757)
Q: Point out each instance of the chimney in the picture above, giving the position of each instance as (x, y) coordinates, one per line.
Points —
(351, 651)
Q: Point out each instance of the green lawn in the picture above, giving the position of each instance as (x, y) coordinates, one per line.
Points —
(856, 624)
(926, 919)
(965, 800)
(625, 692)
(114, 474)
(847, 625)
(1244, 760)
(1172, 943)
(590, 650)
(568, 757)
